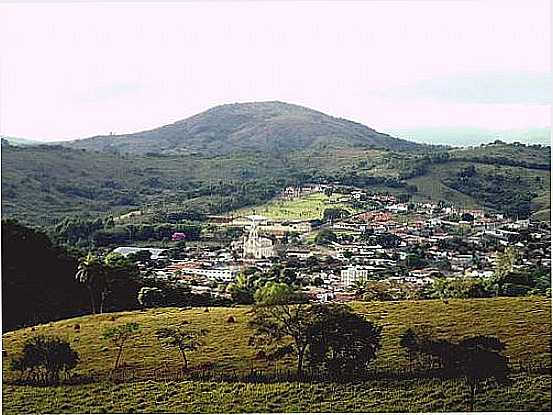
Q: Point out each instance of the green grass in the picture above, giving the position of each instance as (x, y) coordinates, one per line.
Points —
(307, 207)
(527, 393)
(523, 323)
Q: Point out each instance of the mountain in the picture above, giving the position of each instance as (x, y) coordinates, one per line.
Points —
(268, 127)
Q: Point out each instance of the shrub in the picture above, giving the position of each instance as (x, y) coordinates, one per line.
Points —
(44, 357)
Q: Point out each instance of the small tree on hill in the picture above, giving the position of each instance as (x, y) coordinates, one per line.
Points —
(119, 336)
(184, 339)
(480, 359)
(45, 357)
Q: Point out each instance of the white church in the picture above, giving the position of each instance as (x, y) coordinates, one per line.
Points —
(255, 246)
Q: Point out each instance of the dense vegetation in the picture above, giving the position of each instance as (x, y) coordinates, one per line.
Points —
(38, 282)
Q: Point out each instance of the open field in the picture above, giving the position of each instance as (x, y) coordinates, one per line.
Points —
(526, 393)
(305, 207)
(524, 323)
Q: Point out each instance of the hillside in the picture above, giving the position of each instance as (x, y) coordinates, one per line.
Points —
(227, 350)
(41, 184)
(268, 127)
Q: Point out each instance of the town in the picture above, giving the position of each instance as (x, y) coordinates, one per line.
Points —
(372, 247)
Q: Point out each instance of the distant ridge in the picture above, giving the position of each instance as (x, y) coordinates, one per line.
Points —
(269, 127)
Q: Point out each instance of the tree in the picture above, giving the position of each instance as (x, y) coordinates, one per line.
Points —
(341, 342)
(480, 359)
(91, 273)
(331, 214)
(119, 336)
(243, 288)
(281, 318)
(150, 297)
(113, 273)
(46, 356)
(325, 237)
(504, 265)
(183, 339)
(388, 240)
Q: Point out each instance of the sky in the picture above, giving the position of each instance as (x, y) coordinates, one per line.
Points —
(74, 70)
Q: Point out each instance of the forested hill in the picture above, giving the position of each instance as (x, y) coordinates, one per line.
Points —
(43, 184)
(269, 127)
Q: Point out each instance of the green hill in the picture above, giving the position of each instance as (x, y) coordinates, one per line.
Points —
(270, 127)
(41, 184)
(523, 323)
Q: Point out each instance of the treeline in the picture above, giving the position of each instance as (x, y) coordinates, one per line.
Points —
(505, 161)
(353, 179)
(104, 232)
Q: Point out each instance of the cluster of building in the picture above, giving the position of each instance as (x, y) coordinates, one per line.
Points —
(393, 242)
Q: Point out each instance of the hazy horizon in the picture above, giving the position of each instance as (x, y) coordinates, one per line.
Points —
(72, 71)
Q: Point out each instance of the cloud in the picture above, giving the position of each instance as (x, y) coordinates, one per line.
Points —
(480, 88)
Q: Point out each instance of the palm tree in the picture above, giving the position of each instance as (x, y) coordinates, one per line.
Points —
(90, 273)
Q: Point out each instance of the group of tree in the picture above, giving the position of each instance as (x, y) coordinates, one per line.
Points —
(42, 282)
(38, 283)
(112, 277)
(332, 338)
(476, 358)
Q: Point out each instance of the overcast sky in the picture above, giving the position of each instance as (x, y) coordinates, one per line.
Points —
(77, 70)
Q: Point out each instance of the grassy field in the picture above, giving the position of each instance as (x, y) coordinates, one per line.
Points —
(523, 323)
(526, 393)
(307, 207)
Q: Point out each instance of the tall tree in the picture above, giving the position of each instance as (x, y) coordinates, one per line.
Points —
(92, 274)
(38, 282)
(341, 342)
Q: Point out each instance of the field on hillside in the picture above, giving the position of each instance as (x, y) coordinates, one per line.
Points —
(523, 323)
(306, 207)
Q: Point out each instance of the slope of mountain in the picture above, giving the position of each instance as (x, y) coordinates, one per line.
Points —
(269, 127)
(42, 184)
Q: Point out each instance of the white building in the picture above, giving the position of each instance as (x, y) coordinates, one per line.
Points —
(156, 253)
(255, 246)
(224, 274)
(352, 274)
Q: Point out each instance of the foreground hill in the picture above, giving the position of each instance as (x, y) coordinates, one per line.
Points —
(524, 323)
(268, 127)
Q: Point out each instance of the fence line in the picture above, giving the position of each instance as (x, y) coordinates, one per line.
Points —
(166, 373)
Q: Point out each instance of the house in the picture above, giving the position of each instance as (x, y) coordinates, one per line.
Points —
(156, 253)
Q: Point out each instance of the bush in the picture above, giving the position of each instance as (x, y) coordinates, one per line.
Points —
(150, 297)
(44, 357)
